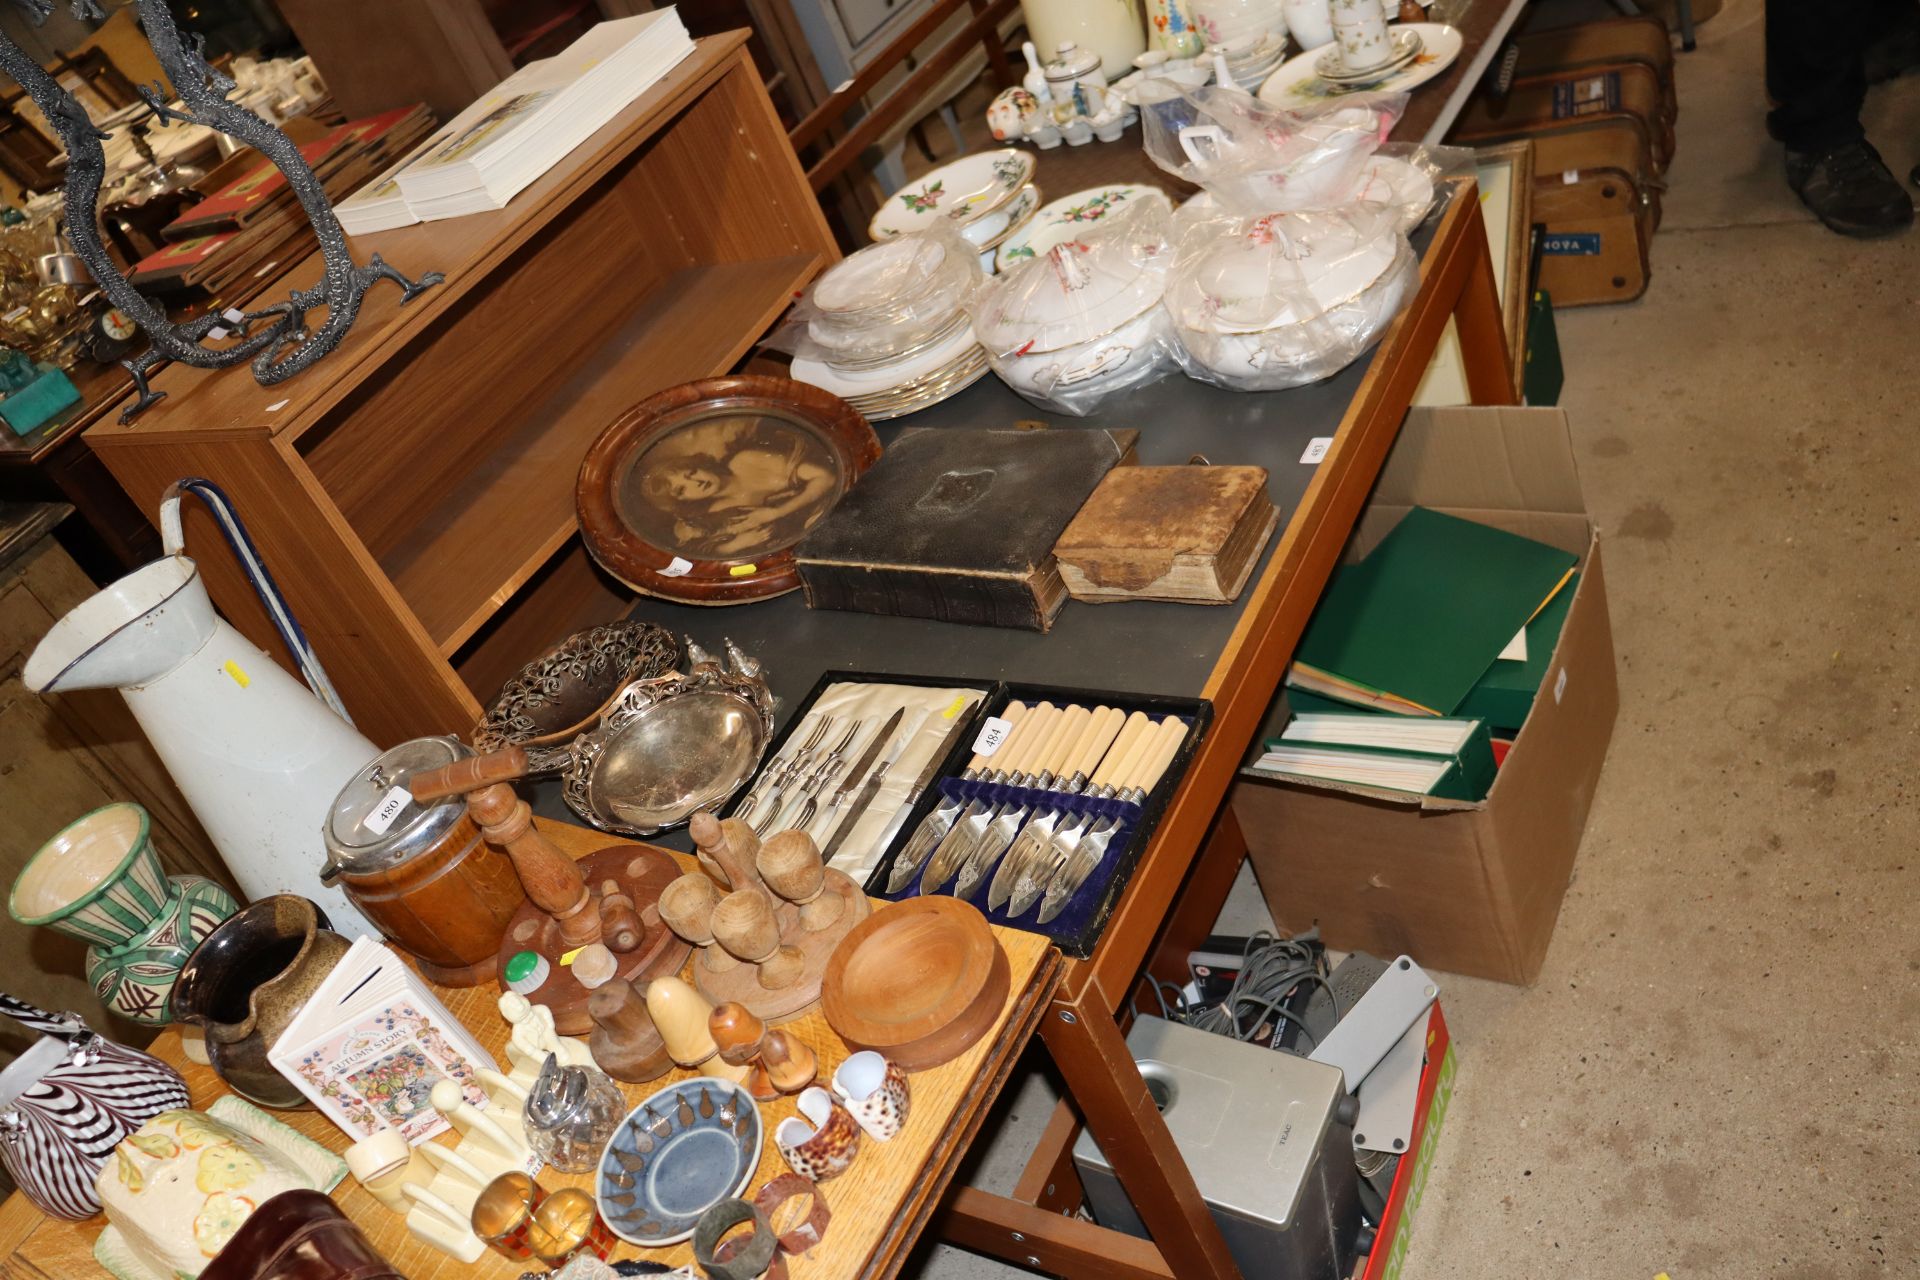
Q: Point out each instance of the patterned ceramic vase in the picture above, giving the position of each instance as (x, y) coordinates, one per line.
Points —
(1171, 23)
(66, 1103)
(100, 880)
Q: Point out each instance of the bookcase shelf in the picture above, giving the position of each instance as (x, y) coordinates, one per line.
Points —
(413, 493)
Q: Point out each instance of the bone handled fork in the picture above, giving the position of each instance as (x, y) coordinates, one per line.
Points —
(1106, 782)
(775, 775)
(1074, 872)
(1051, 763)
(939, 820)
(1102, 728)
(1010, 762)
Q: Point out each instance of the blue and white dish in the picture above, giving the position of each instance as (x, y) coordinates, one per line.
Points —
(675, 1156)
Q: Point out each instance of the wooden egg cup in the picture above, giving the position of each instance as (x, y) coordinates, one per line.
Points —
(742, 947)
(565, 899)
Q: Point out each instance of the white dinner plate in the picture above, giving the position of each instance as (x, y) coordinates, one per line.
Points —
(1298, 83)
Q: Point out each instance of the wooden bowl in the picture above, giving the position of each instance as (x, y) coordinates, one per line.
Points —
(918, 981)
(699, 493)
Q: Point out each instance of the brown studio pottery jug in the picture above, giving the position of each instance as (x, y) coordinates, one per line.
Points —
(245, 983)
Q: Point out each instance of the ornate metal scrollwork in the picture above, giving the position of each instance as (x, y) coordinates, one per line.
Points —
(277, 339)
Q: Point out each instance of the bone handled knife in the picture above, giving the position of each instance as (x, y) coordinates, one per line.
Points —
(940, 819)
(1009, 763)
(1164, 745)
(1051, 763)
(1048, 859)
(1102, 728)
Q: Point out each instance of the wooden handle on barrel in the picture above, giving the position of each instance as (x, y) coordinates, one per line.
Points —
(550, 878)
(462, 776)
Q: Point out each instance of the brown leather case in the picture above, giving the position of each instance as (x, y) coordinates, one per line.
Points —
(1626, 91)
(1595, 189)
(1643, 39)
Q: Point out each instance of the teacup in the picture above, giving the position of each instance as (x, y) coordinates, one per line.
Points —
(821, 1142)
(1360, 31)
(874, 1092)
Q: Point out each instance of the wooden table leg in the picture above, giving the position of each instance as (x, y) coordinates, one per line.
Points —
(1104, 1083)
(1481, 325)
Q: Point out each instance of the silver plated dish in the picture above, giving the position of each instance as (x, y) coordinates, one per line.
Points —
(564, 692)
(667, 747)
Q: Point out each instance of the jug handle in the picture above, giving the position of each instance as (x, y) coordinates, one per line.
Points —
(173, 540)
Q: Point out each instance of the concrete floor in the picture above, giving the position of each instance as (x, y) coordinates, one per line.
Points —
(1714, 1077)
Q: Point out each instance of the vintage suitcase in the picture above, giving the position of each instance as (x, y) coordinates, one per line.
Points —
(1611, 41)
(1626, 91)
(1595, 191)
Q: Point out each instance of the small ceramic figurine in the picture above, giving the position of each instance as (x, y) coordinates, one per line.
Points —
(533, 1038)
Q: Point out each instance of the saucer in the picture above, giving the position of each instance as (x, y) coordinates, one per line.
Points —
(675, 1156)
(1406, 47)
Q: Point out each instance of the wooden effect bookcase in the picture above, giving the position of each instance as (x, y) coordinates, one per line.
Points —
(413, 492)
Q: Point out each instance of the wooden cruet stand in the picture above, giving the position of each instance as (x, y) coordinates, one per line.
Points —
(610, 897)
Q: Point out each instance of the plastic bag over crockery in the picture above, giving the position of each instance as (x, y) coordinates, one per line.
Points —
(1253, 159)
(1082, 322)
(1269, 301)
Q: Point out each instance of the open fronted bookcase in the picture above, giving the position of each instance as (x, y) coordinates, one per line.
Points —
(413, 492)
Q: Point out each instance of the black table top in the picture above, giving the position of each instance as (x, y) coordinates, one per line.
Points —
(1135, 646)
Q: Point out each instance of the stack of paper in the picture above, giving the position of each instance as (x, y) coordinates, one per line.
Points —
(1451, 758)
(1412, 627)
(371, 1043)
(503, 142)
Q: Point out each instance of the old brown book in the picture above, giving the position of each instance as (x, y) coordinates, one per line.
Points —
(1186, 534)
(959, 524)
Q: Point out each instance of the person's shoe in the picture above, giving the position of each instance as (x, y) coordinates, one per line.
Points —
(1850, 188)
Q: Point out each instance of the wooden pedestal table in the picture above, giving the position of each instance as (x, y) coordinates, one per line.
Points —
(879, 1206)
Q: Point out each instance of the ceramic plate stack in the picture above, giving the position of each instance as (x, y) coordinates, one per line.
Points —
(889, 332)
(978, 195)
(1072, 216)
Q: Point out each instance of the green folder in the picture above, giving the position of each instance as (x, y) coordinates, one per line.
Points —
(1469, 774)
(1415, 624)
(1503, 697)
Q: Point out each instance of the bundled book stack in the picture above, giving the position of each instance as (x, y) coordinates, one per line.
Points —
(372, 1042)
(254, 218)
(1423, 659)
(498, 146)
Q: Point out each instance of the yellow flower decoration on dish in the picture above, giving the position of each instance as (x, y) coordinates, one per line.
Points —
(157, 1145)
(225, 1167)
(130, 1176)
(218, 1219)
(195, 1130)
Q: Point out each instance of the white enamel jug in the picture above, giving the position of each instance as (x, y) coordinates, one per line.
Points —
(258, 757)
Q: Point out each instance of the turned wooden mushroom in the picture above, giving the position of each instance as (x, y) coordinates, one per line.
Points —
(743, 923)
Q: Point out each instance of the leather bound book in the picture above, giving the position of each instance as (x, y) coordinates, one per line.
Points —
(1186, 534)
(958, 524)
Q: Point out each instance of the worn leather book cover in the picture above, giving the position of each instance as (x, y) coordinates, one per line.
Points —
(958, 524)
(1186, 534)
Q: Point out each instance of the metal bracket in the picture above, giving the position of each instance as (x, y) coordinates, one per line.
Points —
(1377, 1021)
(1391, 1094)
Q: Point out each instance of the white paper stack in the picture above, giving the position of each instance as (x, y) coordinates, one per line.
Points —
(503, 142)
(370, 1044)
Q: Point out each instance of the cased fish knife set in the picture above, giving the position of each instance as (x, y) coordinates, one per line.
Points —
(1031, 802)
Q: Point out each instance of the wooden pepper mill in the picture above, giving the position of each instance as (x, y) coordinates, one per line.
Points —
(625, 1042)
(779, 1061)
(604, 898)
(681, 1014)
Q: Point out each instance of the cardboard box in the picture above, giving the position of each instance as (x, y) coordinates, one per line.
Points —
(1469, 888)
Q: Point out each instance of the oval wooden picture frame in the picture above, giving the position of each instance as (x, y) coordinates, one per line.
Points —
(653, 570)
